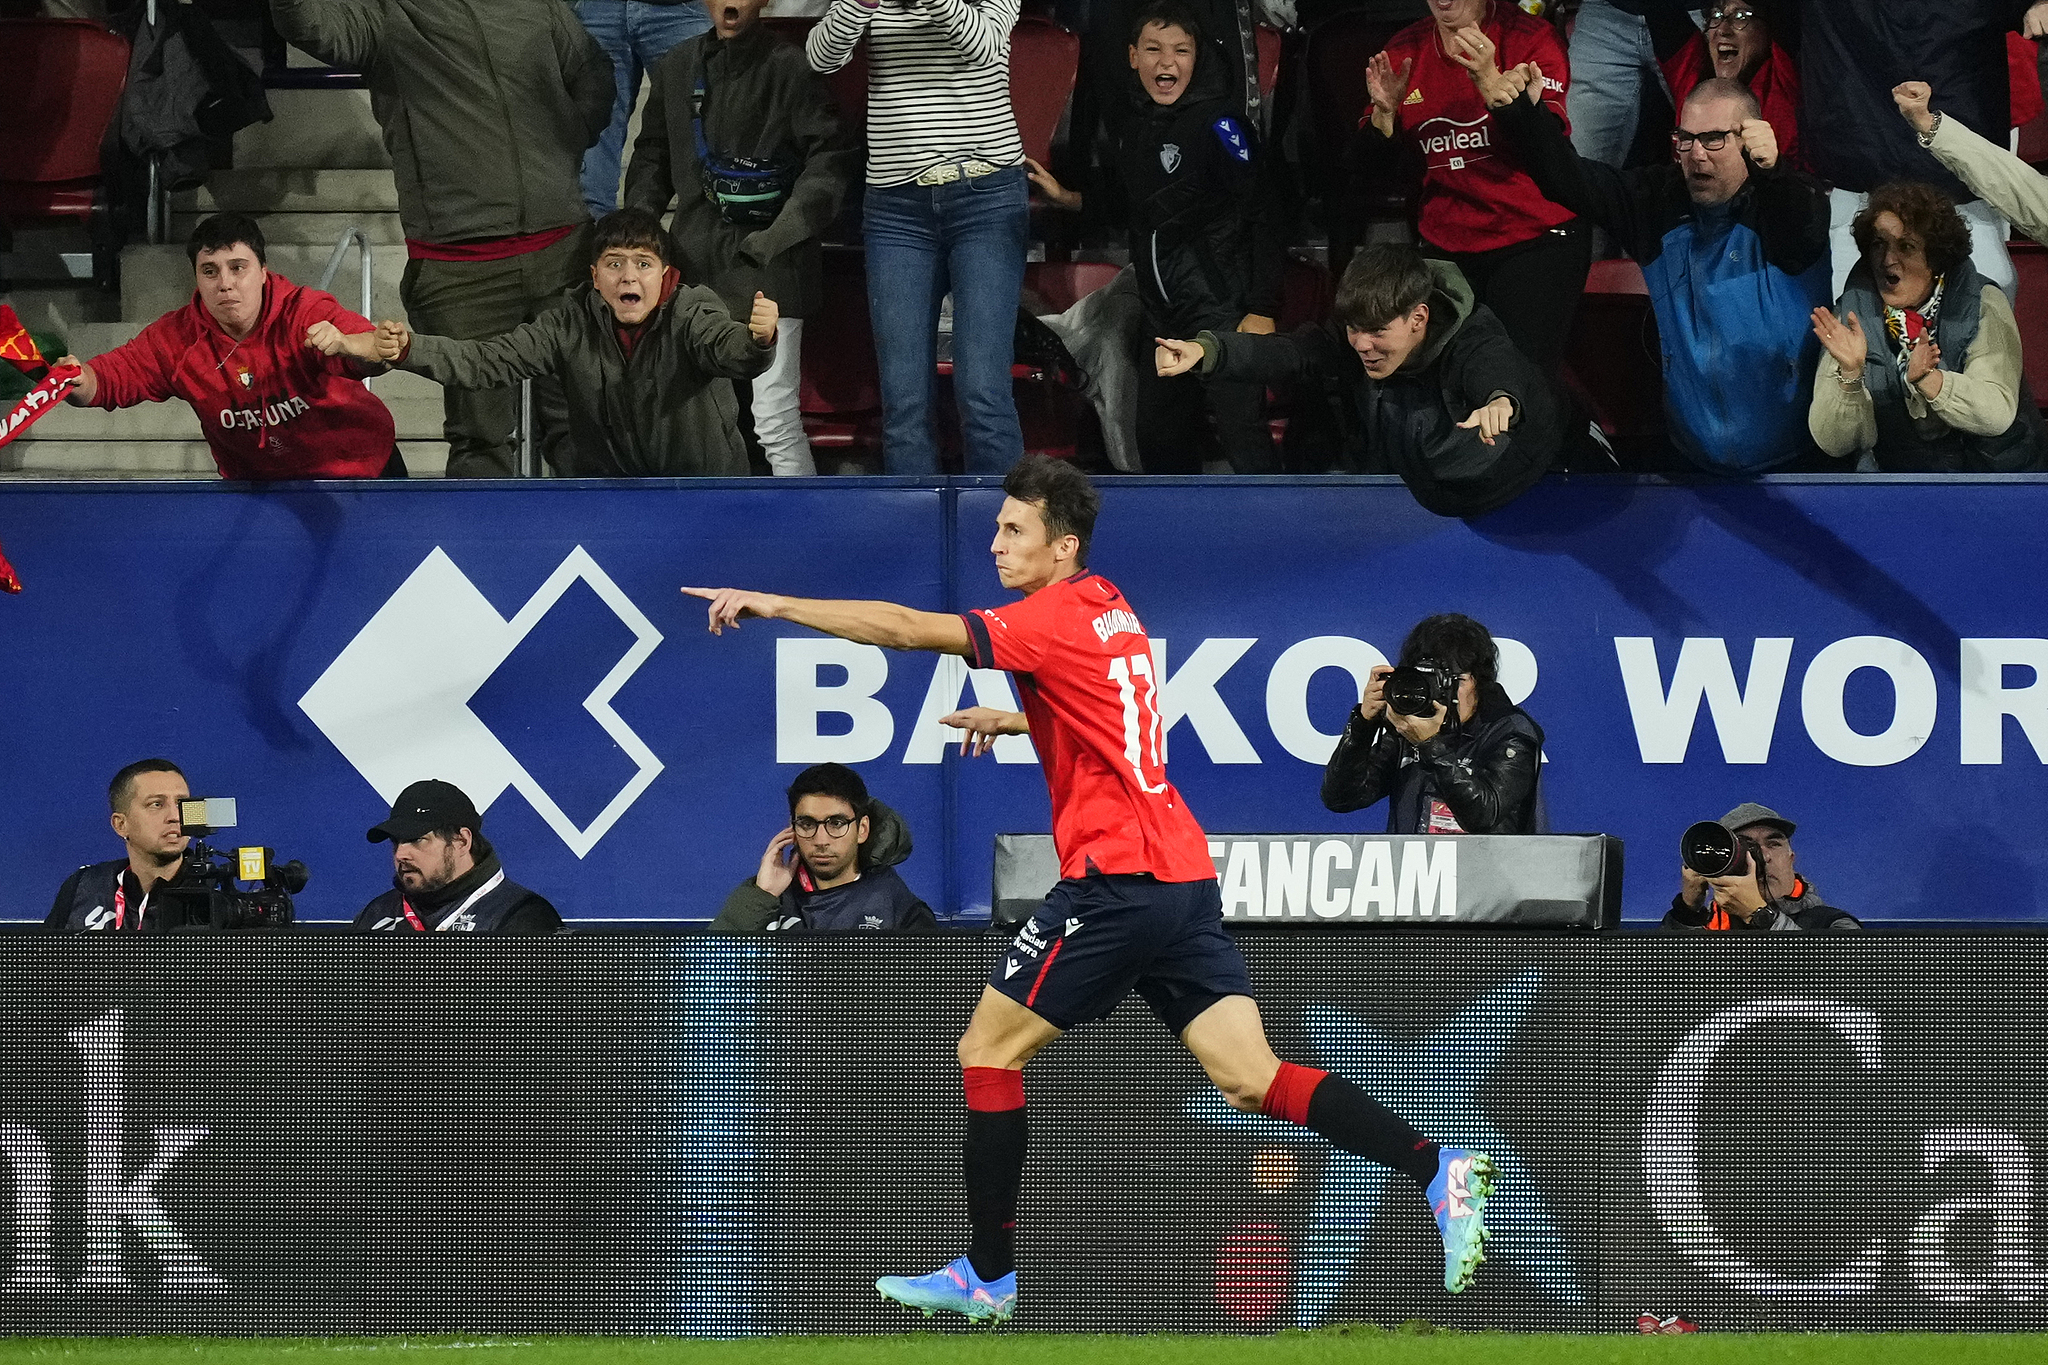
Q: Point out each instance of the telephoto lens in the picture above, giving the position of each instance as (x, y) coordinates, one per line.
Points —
(1711, 849)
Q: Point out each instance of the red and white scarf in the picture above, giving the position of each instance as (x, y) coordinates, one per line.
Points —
(51, 382)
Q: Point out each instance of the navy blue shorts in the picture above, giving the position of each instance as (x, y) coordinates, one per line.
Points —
(1096, 939)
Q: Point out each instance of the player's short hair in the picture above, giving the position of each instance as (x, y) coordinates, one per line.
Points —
(1166, 14)
(1385, 281)
(830, 779)
(122, 789)
(222, 231)
(1067, 502)
(1457, 640)
(629, 229)
(1722, 88)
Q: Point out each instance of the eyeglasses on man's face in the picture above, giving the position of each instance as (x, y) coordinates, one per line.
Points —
(834, 825)
(1736, 19)
(1713, 140)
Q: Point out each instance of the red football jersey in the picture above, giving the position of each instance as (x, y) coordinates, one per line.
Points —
(1474, 196)
(1084, 669)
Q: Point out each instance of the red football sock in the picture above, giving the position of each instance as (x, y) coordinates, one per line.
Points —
(1287, 1097)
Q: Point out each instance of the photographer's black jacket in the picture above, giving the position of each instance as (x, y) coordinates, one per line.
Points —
(1487, 772)
(506, 908)
(85, 903)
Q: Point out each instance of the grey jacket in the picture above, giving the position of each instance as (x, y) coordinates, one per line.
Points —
(486, 105)
(669, 410)
(763, 101)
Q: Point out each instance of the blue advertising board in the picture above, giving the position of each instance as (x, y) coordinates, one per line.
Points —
(1869, 657)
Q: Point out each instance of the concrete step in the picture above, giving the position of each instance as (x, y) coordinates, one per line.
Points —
(311, 229)
(299, 189)
(156, 279)
(62, 310)
(159, 459)
(328, 128)
(415, 403)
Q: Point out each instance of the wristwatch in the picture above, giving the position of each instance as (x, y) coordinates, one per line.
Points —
(1927, 138)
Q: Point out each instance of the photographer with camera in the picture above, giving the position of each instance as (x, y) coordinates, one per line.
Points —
(446, 877)
(1439, 738)
(1736, 875)
(114, 896)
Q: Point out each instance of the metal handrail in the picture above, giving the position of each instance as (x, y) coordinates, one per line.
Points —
(352, 233)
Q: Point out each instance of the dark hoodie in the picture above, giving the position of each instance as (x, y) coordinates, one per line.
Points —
(506, 908)
(1205, 236)
(1407, 423)
(877, 901)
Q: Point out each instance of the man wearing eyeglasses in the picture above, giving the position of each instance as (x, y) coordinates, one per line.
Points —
(1734, 248)
(832, 868)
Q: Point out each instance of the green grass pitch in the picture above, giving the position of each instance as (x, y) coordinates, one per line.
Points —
(1332, 1346)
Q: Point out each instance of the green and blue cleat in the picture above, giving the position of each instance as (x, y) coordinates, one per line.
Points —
(1458, 1195)
(954, 1289)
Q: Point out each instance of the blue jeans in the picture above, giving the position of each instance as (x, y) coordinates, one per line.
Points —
(1611, 55)
(968, 237)
(635, 35)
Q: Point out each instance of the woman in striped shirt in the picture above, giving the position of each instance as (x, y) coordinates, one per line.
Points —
(947, 209)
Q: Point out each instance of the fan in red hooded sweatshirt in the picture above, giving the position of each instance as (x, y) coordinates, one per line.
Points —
(274, 370)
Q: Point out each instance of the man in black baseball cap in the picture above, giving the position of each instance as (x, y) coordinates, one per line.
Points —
(1772, 898)
(446, 877)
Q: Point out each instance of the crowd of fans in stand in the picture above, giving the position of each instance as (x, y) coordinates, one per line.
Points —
(1822, 235)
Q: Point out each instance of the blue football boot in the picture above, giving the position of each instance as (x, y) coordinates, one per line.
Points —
(1458, 1195)
(955, 1289)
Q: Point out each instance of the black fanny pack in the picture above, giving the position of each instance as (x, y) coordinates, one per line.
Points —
(749, 193)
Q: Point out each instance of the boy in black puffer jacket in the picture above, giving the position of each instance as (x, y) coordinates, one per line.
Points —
(1205, 237)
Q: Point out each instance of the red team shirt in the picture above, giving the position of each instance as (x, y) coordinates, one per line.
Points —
(1475, 197)
(271, 406)
(1085, 671)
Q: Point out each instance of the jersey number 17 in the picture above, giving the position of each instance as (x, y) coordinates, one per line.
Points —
(1140, 696)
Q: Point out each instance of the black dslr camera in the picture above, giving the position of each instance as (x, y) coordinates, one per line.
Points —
(1417, 689)
(1712, 850)
(212, 889)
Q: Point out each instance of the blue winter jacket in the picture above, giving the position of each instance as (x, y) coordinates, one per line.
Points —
(1733, 288)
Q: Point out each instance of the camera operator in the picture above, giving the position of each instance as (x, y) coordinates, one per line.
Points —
(445, 875)
(1765, 895)
(1468, 763)
(114, 895)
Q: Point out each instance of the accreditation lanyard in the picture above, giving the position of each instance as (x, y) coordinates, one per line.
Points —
(121, 902)
(410, 916)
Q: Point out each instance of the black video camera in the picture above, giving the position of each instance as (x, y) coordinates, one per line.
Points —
(1417, 689)
(1713, 850)
(212, 889)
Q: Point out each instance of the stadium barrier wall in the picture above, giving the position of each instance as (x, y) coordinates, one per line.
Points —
(662, 1135)
(1865, 655)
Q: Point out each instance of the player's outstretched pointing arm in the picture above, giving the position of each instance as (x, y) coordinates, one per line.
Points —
(868, 623)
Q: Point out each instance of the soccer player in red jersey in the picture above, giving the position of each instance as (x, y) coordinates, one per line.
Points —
(1137, 906)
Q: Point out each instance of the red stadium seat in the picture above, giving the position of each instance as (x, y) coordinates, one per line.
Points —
(2031, 263)
(1044, 59)
(68, 74)
(841, 388)
(1613, 364)
(1269, 40)
(1062, 284)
